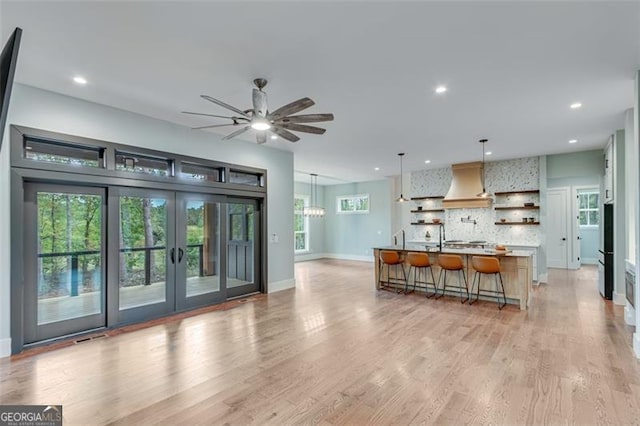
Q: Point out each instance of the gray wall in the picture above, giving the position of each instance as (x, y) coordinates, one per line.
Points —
(41, 109)
(316, 224)
(354, 235)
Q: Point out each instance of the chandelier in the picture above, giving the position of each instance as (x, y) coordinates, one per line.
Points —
(313, 210)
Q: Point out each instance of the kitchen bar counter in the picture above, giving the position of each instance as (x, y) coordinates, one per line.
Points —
(516, 266)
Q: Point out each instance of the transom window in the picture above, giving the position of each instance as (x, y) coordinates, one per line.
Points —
(350, 204)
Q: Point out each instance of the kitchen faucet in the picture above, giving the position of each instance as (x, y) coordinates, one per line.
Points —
(441, 235)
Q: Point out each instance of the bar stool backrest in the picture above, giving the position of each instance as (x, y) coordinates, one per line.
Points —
(451, 262)
(486, 264)
(390, 257)
(419, 260)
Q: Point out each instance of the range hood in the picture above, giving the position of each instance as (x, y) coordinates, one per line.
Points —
(465, 185)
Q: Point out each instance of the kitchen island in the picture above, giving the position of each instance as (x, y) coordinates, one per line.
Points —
(516, 266)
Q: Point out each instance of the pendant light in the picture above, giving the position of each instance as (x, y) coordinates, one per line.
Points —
(313, 210)
(401, 199)
(484, 193)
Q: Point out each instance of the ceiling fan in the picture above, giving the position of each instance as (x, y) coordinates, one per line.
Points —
(281, 122)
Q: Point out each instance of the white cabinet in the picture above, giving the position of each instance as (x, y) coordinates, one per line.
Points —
(608, 171)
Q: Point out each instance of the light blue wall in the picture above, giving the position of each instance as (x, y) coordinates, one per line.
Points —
(316, 224)
(575, 169)
(355, 234)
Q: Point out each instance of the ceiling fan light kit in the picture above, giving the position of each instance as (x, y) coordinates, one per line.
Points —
(281, 122)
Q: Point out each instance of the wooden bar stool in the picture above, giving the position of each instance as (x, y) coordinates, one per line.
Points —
(452, 262)
(488, 265)
(419, 263)
(391, 258)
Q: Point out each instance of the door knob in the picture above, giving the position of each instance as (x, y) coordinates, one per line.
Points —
(564, 239)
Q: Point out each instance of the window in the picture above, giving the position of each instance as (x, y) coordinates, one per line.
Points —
(588, 212)
(59, 152)
(352, 204)
(300, 224)
(201, 172)
(138, 163)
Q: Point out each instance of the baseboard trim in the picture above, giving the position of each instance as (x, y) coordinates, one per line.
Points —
(349, 257)
(543, 278)
(619, 299)
(636, 344)
(281, 285)
(5, 347)
(629, 314)
(310, 256)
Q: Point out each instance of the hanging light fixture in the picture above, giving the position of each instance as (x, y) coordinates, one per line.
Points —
(484, 193)
(401, 199)
(313, 210)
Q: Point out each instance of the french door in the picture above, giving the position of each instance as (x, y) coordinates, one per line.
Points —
(64, 243)
(162, 252)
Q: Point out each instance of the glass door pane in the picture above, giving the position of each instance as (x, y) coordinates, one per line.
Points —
(143, 251)
(242, 246)
(198, 263)
(65, 268)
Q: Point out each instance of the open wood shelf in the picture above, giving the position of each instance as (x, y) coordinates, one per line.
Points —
(526, 191)
(517, 223)
(426, 223)
(518, 208)
(432, 197)
(427, 210)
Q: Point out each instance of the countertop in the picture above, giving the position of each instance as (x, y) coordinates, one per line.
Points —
(433, 242)
(470, 251)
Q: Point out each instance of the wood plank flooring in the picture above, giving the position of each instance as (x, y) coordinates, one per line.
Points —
(336, 351)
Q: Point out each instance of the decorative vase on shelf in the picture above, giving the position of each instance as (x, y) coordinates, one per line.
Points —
(427, 235)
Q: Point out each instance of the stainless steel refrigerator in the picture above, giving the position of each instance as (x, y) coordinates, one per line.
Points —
(605, 254)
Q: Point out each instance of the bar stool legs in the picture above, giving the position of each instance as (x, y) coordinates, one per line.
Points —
(451, 262)
(391, 258)
(488, 266)
(419, 262)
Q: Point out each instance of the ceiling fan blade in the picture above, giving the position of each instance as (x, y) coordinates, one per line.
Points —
(292, 108)
(306, 118)
(261, 136)
(236, 133)
(213, 115)
(259, 103)
(285, 134)
(303, 128)
(225, 105)
(214, 125)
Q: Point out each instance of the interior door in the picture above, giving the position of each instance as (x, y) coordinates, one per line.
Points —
(243, 247)
(199, 261)
(557, 238)
(143, 252)
(65, 229)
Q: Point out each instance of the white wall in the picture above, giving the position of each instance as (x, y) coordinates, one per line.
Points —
(41, 109)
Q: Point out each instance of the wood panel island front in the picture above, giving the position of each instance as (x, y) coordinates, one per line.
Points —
(516, 267)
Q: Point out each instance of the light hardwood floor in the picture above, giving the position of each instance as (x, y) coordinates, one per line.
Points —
(336, 351)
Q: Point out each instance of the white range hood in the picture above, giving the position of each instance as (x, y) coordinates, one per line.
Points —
(465, 185)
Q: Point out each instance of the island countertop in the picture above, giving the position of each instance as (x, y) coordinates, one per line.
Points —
(516, 267)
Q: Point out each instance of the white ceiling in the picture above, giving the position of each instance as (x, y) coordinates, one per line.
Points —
(512, 70)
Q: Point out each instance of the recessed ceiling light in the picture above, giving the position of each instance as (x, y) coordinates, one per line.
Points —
(376, 169)
(274, 137)
(489, 152)
(441, 89)
(576, 105)
(573, 141)
(80, 80)
(427, 161)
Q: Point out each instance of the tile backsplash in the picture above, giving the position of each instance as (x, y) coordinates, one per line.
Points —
(501, 176)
